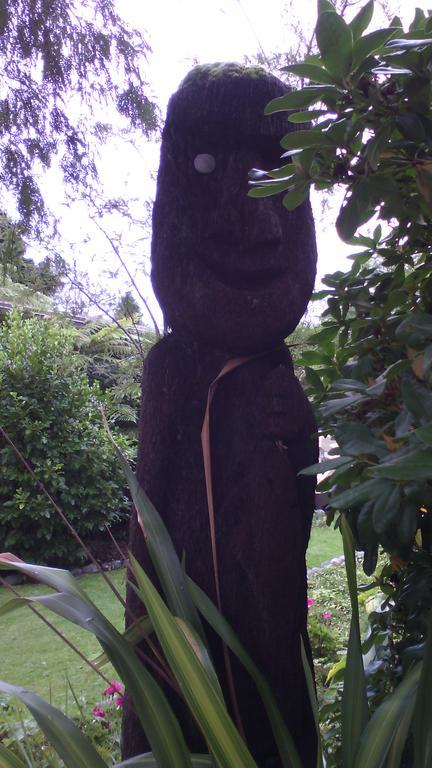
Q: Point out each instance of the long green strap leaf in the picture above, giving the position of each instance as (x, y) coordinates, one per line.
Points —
(422, 721)
(354, 699)
(380, 732)
(220, 625)
(161, 549)
(313, 701)
(9, 760)
(153, 710)
(74, 748)
(149, 761)
(198, 688)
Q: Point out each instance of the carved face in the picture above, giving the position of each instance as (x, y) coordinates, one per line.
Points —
(233, 271)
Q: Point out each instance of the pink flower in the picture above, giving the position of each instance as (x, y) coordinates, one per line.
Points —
(98, 712)
(119, 701)
(326, 615)
(113, 688)
(310, 602)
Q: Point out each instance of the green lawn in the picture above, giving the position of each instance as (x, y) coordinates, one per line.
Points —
(325, 543)
(33, 656)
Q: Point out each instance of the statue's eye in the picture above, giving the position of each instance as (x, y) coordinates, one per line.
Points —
(204, 163)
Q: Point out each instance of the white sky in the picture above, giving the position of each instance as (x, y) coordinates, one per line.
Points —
(182, 32)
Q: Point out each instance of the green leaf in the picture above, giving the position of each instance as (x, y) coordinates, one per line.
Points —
(152, 708)
(358, 493)
(326, 466)
(296, 196)
(72, 746)
(335, 42)
(410, 126)
(197, 686)
(272, 188)
(326, 334)
(386, 508)
(406, 45)
(161, 549)
(331, 407)
(325, 5)
(415, 465)
(362, 20)
(306, 117)
(9, 760)
(423, 707)
(369, 44)
(281, 734)
(314, 357)
(311, 71)
(356, 210)
(383, 727)
(149, 761)
(313, 137)
(295, 99)
(314, 380)
(354, 700)
(425, 434)
(310, 682)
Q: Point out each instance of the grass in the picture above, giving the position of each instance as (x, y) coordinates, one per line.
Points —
(32, 656)
(325, 543)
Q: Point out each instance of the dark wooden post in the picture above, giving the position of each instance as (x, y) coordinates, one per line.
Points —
(233, 276)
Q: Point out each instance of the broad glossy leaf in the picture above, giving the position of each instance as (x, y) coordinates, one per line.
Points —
(362, 20)
(406, 45)
(335, 42)
(306, 117)
(369, 44)
(325, 5)
(74, 748)
(331, 407)
(358, 493)
(312, 72)
(326, 466)
(296, 196)
(386, 508)
(303, 139)
(267, 189)
(295, 99)
(415, 465)
(326, 334)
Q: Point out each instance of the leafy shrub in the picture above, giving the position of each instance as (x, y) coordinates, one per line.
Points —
(51, 412)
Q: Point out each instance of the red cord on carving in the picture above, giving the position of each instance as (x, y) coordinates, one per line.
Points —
(231, 365)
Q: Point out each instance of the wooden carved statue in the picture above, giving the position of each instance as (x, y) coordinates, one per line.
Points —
(233, 276)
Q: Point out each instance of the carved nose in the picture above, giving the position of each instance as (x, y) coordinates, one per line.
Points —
(241, 219)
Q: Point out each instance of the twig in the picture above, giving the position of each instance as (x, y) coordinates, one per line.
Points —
(76, 536)
(131, 278)
(113, 319)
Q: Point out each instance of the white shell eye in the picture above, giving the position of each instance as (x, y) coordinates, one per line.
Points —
(204, 163)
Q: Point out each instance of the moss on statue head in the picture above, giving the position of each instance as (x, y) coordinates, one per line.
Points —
(202, 73)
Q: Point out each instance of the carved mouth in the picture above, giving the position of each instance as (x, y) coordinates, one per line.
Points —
(246, 279)
(241, 266)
